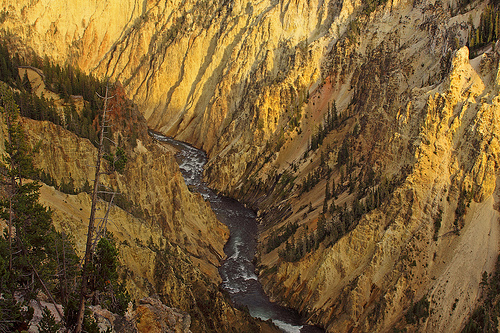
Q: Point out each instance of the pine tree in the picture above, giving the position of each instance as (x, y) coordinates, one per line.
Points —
(30, 235)
(497, 25)
(335, 116)
(17, 162)
(48, 323)
(490, 24)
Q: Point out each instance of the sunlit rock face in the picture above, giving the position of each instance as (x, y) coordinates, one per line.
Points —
(215, 74)
(251, 83)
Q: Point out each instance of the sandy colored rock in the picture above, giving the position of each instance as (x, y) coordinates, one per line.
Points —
(231, 79)
(369, 278)
(155, 317)
(152, 181)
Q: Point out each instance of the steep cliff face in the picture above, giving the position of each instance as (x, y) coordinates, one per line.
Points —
(151, 181)
(170, 246)
(394, 256)
(195, 68)
(413, 151)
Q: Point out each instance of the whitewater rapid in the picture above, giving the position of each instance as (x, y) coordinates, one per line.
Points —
(237, 271)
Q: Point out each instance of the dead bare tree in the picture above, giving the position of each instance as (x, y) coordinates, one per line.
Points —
(90, 233)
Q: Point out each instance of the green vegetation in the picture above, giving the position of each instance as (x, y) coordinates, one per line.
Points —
(335, 221)
(488, 30)
(31, 250)
(343, 154)
(437, 224)
(67, 82)
(117, 160)
(48, 322)
(8, 66)
(463, 203)
(353, 31)
(485, 316)
(37, 108)
(295, 119)
(330, 123)
(312, 179)
(3, 15)
(70, 83)
(418, 311)
(371, 5)
(104, 279)
(277, 238)
(33, 256)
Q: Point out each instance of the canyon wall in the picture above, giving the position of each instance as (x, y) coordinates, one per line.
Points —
(252, 83)
(196, 69)
(395, 256)
(170, 242)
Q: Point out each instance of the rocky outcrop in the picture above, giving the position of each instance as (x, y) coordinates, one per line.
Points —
(252, 82)
(150, 315)
(153, 316)
(395, 256)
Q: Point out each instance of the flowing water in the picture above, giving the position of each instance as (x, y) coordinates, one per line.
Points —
(237, 271)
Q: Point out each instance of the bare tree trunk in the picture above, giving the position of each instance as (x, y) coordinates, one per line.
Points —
(65, 277)
(90, 232)
(11, 218)
(11, 195)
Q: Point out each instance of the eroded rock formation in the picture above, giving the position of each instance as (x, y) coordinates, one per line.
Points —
(252, 83)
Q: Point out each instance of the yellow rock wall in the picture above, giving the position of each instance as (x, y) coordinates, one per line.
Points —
(370, 277)
(196, 69)
(152, 181)
(228, 77)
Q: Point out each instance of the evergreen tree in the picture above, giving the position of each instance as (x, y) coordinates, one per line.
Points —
(8, 70)
(335, 115)
(327, 191)
(48, 323)
(343, 154)
(29, 242)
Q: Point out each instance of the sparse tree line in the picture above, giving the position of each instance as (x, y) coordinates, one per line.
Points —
(485, 316)
(418, 311)
(335, 220)
(276, 239)
(371, 5)
(345, 162)
(488, 30)
(370, 192)
(65, 81)
(331, 121)
(34, 257)
(463, 203)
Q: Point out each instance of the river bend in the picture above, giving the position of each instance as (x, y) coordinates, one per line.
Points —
(237, 271)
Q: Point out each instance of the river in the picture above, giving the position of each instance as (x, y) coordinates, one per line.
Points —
(237, 271)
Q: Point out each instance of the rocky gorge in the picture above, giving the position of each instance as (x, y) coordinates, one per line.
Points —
(392, 202)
